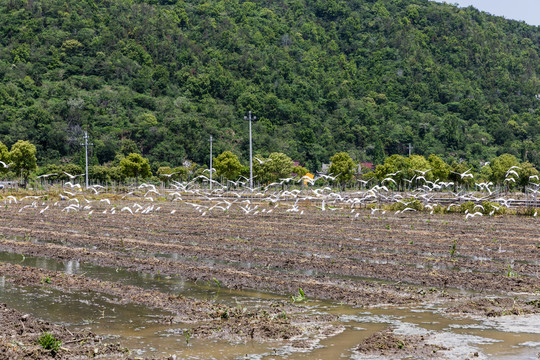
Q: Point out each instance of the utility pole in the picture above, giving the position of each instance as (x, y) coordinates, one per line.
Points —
(86, 144)
(410, 149)
(250, 151)
(211, 140)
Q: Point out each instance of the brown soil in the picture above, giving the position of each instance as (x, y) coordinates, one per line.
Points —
(363, 260)
(20, 333)
(278, 321)
(386, 343)
(340, 251)
(497, 307)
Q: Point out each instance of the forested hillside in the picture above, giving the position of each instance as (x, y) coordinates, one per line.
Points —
(322, 76)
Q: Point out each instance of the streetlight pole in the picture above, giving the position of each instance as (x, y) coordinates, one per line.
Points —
(86, 144)
(250, 151)
(211, 140)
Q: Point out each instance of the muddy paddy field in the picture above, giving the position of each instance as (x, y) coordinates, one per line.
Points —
(184, 283)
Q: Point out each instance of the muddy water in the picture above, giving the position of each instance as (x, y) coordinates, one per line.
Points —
(137, 327)
(167, 284)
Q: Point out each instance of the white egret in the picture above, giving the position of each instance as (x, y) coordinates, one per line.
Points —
(72, 177)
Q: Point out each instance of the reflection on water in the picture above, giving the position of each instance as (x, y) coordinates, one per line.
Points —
(139, 328)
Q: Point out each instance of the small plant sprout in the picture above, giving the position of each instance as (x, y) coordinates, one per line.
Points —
(453, 248)
(225, 314)
(45, 280)
(218, 284)
(300, 297)
(511, 272)
(187, 335)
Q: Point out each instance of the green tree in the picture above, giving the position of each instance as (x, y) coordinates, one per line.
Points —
(277, 166)
(144, 123)
(128, 147)
(300, 171)
(397, 165)
(23, 156)
(166, 174)
(439, 168)
(418, 162)
(379, 155)
(135, 166)
(116, 174)
(181, 173)
(4, 157)
(525, 173)
(342, 166)
(227, 165)
(500, 166)
(100, 173)
(461, 168)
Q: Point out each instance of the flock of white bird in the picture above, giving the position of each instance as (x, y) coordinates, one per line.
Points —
(291, 195)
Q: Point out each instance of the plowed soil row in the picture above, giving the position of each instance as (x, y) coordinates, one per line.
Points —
(328, 254)
(352, 257)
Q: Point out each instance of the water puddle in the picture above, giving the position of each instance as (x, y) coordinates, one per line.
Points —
(137, 327)
(167, 284)
(248, 265)
(134, 326)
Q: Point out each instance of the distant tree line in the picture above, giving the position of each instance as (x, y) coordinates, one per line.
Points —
(278, 168)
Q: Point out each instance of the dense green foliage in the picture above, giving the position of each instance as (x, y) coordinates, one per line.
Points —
(227, 165)
(399, 172)
(23, 159)
(413, 170)
(278, 166)
(135, 166)
(364, 77)
(342, 167)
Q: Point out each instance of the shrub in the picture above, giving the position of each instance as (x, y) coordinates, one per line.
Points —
(49, 342)
(493, 208)
(529, 211)
(469, 205)
(408, 203)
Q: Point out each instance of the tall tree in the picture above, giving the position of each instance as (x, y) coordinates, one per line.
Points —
(4, 157)
(278, 166)
(227, 165)
(343, 167)
(135, 166)
(23, 156)
(500, 166)
(439, 168)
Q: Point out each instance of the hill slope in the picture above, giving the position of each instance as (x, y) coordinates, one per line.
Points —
(321, 76)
